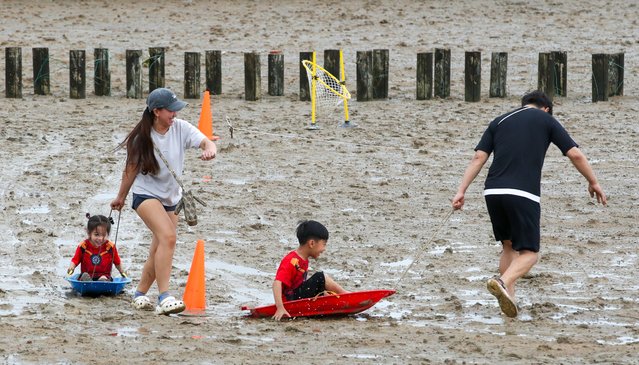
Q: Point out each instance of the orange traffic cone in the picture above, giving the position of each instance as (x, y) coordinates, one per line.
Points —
(206, 118)
(195, 291)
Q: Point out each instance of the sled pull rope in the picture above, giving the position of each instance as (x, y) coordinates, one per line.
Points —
(325, 292)
(421, 248)
(117, 227)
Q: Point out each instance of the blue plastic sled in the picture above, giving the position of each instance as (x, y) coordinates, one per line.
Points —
(95, 288)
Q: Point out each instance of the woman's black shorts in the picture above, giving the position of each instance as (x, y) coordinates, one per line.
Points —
(139, 198)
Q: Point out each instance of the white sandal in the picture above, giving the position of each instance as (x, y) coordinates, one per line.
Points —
(170, 305)
(143, 303)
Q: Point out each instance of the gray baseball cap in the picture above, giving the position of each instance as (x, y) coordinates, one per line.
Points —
(164, 98)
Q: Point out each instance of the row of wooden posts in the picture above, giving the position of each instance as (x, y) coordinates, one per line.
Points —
(432, 79)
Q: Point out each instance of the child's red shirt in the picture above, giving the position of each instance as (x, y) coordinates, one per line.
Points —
(99, 258)
(291, 272)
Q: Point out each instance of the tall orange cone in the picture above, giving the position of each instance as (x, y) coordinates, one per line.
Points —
(195, 291)
(206, 118)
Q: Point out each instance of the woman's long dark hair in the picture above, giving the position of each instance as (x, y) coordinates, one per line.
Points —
(139, 146)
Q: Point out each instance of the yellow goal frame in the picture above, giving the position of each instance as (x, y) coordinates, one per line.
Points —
(312, 67)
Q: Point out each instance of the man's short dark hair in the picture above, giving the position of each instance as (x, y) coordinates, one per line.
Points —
(539, 99)
(309, 229)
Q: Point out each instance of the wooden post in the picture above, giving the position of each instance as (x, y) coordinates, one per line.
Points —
(442, 73)
(13, 72)
(331, 62)
(101, 73)
(498, 74)
(560, 74)
(156, 67)
(77, 74)
(600, 62)
(191, 75)
(41, 78)
(252, 76)
(364, 75)
(472, 76)
(276, 73)
(545, 75)
(380, 74)
(133, 74)
(214, 72)
(615, 74)
(305, 89)
(424, 76)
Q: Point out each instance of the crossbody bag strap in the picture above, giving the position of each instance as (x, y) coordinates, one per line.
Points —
(169, 167)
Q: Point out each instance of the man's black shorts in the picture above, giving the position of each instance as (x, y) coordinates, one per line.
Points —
(310, 287)
(515, 218)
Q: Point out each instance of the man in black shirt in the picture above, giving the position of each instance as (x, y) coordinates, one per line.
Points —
(519, 141)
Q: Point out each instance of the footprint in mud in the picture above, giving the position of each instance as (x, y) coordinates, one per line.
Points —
(37, 279)
(6, 307)
(454, 303)
(543, 309)
(466, 346)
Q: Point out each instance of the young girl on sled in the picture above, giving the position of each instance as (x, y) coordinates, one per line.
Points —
(96, 254)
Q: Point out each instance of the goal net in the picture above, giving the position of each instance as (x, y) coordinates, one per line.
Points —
(327, 89)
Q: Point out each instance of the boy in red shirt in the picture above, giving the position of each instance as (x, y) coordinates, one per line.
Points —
(96, 254)
(291, 278)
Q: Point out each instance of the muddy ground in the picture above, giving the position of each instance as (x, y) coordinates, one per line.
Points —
(383, 189)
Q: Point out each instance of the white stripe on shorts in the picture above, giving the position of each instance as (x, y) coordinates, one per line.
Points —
(517, 192)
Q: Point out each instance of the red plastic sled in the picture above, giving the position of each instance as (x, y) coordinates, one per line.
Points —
(326, 305)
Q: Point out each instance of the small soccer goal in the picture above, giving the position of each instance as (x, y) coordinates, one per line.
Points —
(327, 92)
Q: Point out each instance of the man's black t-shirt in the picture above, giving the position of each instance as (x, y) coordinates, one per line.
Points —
(519, 140)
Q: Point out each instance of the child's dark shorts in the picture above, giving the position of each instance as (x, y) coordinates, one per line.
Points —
(515, 218)
(310, 287)
(139, 198)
